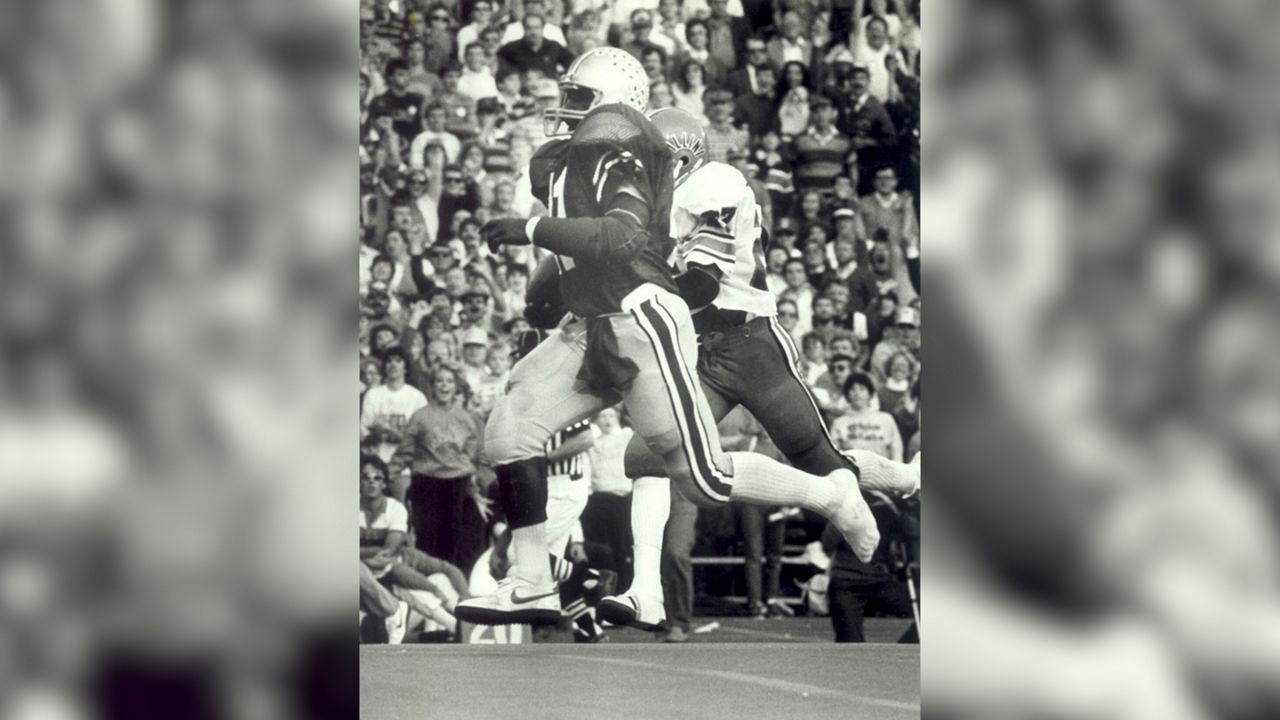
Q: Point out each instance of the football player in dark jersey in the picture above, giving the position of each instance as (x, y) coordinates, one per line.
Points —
(628, 336)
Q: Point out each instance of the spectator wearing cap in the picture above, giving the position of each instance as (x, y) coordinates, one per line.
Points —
(697, 36)
(790, 45)
(403, 107)
(863, 426)
(758, 111)
(722, 134)
(864, 119)
(745, 80)
(434, 133)
(534, 50)
(475, 349)
(902, 337)
(481, 18)
(516, 30)
(642, 37)
(388, 406)
(821, 151)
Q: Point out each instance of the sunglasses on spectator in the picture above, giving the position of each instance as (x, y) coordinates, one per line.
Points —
(786, 314)
(372, 476)
(453, 178)
(755, 49)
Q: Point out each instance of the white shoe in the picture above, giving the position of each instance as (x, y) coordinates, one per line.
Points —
(854, 518)
(633, 609)
(397, 624)
(515, 602)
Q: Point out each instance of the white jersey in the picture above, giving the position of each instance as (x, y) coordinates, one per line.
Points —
(716, 222)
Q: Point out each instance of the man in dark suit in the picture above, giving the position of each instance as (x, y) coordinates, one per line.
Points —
(759, 110)
(744, 81)
(866, 122)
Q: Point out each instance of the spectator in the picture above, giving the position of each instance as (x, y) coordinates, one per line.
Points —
(816, 263)
(670, 27)
(534, 50)
(745, 80)
(813, 361)
(475, 350)
(870, 280)
(388, 407)
(793, 112)
(828, 389)
(607, 519)
(441, 451)
(775, 259)
(698, 35)
(902, 337)
(864, 120)
(821, 151)
(722, 134)
(654, 61)
(758, 111)
(404, 108)
(476, 80)
(888, 211)
(899, 376)
(689, 87)
(481, 18)
(790, 45)
(799, 291)
(422, 78)
(439, 37)
(435, 133)
(762, 540)
(788, 317)
(727, 35)
(641, 36)
(862, 426)
(870, 51)
(518, 30)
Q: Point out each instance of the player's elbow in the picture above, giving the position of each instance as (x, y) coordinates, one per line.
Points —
(624, 239)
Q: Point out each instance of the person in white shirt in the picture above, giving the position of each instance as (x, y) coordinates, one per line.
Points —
(476, 80)
(388, 407)
(515, 29)
(434, 117)
(481, 18)
(869, 50)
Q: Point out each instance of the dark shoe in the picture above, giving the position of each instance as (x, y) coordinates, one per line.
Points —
(758, 611)
(676, 635)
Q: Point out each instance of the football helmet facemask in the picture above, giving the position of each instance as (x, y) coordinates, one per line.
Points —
(602, 76)
(685, 138)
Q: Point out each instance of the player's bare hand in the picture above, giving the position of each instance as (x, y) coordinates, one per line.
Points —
(506, 231)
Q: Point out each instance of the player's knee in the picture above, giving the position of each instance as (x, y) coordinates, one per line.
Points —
(639, 461)
(695, 490)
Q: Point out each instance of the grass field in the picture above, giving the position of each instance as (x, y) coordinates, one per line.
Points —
(742, 669)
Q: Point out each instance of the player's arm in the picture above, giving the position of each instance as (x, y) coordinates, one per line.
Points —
(544, 306)
(709, 254)
(620, 234)
(580, 442)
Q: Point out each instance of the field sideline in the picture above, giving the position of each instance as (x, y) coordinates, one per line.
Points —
(706, 678)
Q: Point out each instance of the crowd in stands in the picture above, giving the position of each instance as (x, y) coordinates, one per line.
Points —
(816, 101)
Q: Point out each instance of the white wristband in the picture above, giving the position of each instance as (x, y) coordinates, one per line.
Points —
(529, 226)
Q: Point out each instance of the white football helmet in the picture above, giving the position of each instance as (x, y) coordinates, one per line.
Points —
(685, 138)
(599, 77)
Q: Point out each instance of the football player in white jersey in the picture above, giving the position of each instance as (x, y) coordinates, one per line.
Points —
(744, 357)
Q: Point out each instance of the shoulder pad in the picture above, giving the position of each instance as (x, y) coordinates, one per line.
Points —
(711, 187)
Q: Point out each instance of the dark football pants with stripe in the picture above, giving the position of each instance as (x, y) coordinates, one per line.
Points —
(759, 372)
(663, 402)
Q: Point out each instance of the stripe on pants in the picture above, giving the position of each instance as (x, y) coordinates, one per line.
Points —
(656, 323)
(792, 357)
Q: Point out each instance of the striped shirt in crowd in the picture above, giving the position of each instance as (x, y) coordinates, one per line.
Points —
(569, 466)
(820, 158)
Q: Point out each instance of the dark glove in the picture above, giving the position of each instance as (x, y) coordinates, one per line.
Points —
(507, 231)
(525, 343)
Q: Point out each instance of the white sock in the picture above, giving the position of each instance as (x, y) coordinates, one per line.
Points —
(650, 507)
(876, 472)
(759, 480)
(528, 554)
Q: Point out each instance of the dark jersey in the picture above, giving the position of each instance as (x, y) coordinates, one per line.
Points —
(615, 151)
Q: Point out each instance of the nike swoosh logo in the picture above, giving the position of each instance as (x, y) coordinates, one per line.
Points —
(520, 600)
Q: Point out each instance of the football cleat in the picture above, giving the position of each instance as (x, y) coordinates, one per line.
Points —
(515, 602)
(398, 624)
(854, 519)
(634, 610)
(602, 76)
